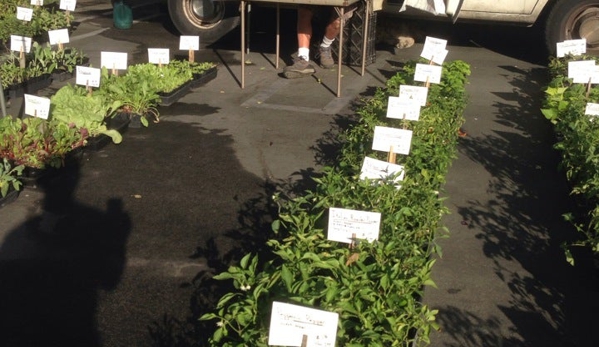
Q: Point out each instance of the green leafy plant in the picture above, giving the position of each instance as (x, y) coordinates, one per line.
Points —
(9, 177)
(374, 287)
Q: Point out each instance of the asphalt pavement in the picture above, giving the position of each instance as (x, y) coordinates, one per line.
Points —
(115, 252)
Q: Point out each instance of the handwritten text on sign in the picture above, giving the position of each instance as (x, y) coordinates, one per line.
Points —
(416, 93)
(88, 76)
(344, 223)
(24, 14)
(289, 323)
(592, 109)
(37, 106)
(189, 43)
(403, 108)
(158, 56)
(375, 169)
(20, 43)
(68, 5)
(387, 139)
(428, 73)
(113, 60)
(574, 47)
(434, 49)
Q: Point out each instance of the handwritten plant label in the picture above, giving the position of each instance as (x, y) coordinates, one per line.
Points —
(399, 108)
(417, 93)
(37, 106)
(580, 69)
(158, 55)
(589, 76)
(37, 2)
(289, 323)
(68, 5)
(387, 139)
(375, 169)
(189, 43)
(592, 109)
(24, 14)
(574, 47)
(113, 60)
(58, 36)
(345, 223)
(87, 76)
(434, 49)
(428, 73)
(20, 43)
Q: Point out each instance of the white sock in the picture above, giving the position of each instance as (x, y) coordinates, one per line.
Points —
(326, 42)
(304, 52)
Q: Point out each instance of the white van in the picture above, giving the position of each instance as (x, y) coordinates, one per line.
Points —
(561, 19)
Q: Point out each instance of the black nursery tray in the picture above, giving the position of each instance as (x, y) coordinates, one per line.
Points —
(120, 122)
(31, 86)
(11, 196)
(201, 79)
(167, 99)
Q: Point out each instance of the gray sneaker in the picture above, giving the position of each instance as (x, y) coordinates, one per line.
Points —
(300, 68)
(325, 57)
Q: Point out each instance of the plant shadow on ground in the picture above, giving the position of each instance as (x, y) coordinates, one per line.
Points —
(551, 302)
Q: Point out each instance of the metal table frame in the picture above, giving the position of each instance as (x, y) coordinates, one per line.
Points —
(339, 6)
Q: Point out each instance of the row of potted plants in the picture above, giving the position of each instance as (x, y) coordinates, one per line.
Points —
(46, 17)
(578, 135)
(374, 287)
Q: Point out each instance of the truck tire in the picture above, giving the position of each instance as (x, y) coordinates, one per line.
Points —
(573, 19)
(210, 19)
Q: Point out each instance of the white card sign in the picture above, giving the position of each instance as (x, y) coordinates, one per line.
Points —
(113, 60)
(68, 5)
(592, 109)
(428, 73)
(344, 224)
(20, 43)
(574, 47)
(87, 76)
(58, 36)
(189, 43)
(158, 55)
(399, 108)
(434, 47)
(420, 94)
(590, 76)
(289, 323)
(375, 169)
(385, 139)
(37, 2)
(24, 14)
(37, 106)
(580, 69)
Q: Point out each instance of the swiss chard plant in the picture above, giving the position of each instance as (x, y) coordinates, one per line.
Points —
(374, 287)
(9, 177)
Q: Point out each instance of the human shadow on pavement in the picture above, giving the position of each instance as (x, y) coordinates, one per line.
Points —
(52, 266)
(551, 303)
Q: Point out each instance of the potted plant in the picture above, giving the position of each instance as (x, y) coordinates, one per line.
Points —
(9, 181)
(136, 95)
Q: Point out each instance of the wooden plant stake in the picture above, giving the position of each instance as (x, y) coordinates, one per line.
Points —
(354, 256)
(89, 89)
(22, 62)
(304, 341)
(67, 14)
(391, 158)
(114, 70)
(160, 63)
(60, 46)
(191, 56)
(589, 85)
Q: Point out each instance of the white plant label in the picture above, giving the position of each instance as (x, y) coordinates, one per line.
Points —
(387, 139)
(68, 5)
(580, 69)
(189, 43)
(590, 76)
(24, 13)
(344, 224)
(399, 108)
(59, 36)
(87, 76)
(592, 109)
(37, 2)
(20, 43)
(434, 47)
(574, 47)
(417, 93)
(375, 169)
(37, 106)
(158, 55)
(113, 60)
(289, 323)
(428, 73)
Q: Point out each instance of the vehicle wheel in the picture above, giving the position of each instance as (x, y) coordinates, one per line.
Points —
(210, 19)
(573, 19)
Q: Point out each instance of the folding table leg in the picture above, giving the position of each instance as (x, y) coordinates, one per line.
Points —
(365, 34)
(278, 36)
(341, 12)
(242, 9)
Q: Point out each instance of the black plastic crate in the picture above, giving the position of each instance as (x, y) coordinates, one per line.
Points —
(352, 39)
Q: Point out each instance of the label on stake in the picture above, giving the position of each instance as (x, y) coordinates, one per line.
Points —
(386, 138)
(290, 323)
(88, 76)
(37, 106)
(68, 5)
(24, 14)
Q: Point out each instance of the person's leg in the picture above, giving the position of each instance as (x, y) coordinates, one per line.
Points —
(331, 32)
(301, 66)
